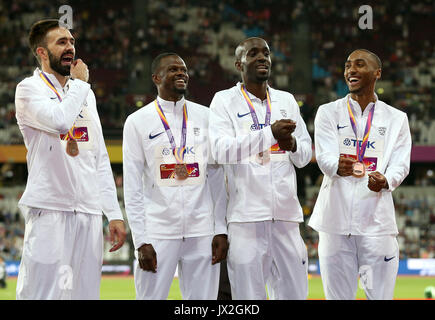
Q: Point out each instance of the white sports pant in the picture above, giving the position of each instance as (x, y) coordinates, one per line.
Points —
(270, 254)
(199, 279)
(342, 259)
(62, 256)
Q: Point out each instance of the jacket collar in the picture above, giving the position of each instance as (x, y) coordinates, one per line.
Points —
(356, 108)
(272, 92)
(53, 80)
(171, 106)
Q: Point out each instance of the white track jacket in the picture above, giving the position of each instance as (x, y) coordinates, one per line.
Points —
(161, 207)
(258, 192)
(57, 181)
(345, 205)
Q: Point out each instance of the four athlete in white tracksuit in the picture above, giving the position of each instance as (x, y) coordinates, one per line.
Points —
(180, 217)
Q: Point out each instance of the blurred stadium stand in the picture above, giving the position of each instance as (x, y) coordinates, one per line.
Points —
(309, 44)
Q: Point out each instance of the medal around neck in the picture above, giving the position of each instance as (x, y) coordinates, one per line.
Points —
(359, 170)
(181, 171)
(72, 148)
(263, 157)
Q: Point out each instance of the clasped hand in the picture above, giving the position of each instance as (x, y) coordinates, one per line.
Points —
(282, 131)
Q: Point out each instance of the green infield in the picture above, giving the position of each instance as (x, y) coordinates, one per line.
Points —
(122, 288)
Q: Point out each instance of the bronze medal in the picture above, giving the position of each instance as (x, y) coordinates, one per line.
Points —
(181, 171)
(359, 170)
(72, 148)
(263, 157)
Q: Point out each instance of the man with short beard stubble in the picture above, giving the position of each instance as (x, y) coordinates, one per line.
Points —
(70, 181)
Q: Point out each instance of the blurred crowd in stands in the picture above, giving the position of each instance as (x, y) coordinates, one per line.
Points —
(118, 42)
(102, 30)
(399, 37)
(11, 226)
(114, 39)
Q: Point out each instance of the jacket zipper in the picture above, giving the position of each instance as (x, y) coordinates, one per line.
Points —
(75, 188)
(353, 194)
(182, 196)
(273, 193)
(182, 213)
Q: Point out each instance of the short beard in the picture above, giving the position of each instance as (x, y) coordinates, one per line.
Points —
(356, 91)
(180, 91)
(257, 78)
(56, 65)
(261, 79)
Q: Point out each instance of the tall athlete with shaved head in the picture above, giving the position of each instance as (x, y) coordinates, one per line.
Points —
(258, 133)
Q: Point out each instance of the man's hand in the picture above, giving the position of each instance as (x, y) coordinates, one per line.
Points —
(282, 129)
(117, 234)
(219, 248)
(79, 70)
(288, 144)
(345, 166)
(377, 181)
(147, 258)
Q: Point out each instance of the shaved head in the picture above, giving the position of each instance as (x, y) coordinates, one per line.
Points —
(156, 64)
(241, 48)
(372, 56)
(253, 60)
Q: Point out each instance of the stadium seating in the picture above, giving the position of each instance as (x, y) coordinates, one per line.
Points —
(116, 40)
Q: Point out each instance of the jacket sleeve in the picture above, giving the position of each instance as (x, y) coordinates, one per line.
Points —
(226, 146)
(326, 143)
(398, 166)
(35, 109)
(304, 150)
(106, 184)
(134, 196)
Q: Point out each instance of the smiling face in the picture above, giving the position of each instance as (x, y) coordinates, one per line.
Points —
(253, 60)
(361, 71)
(171, 78)
(59, 51)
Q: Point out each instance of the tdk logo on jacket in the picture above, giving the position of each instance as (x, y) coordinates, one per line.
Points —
(261, 125)
(188, 150)
(352, 142)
